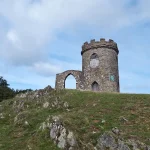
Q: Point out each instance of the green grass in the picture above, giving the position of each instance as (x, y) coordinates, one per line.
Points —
(90, 115)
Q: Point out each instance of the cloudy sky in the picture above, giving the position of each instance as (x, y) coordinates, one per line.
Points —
(39, 38)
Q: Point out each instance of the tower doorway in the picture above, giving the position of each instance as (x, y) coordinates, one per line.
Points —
(95, 86)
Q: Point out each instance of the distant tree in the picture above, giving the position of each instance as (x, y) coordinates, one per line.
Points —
(3, 82)
(5, 91)
(23, 91)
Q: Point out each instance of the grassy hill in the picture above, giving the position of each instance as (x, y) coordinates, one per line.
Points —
(88, 115)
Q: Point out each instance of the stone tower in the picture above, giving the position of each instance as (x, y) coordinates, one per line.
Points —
(100, 65)
(99, 68)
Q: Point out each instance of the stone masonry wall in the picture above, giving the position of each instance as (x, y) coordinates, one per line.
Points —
(107, 52)
(61, 77)
(105, 73)
(101, 74)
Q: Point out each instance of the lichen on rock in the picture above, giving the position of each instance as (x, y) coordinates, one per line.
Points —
(61, 136)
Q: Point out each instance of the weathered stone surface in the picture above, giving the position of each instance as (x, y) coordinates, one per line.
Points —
(106, 141)
(64, 138)
(46, 104)
(122, 145)
(116, 131)
(66, 105)
(137, 145)
(99, 44)
(109, 141)
(1, 116)
(99, 68)
(36, 94)
(61, 77)
(71, 139)
(113, 141)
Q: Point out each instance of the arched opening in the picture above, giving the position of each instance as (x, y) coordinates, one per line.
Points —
(70, 82)
(95, 86)
(94, 56)
(94, 61)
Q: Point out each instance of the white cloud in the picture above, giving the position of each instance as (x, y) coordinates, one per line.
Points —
(45, 69)
(34, 23)
(14, 39)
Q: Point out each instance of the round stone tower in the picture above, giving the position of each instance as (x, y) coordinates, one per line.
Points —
(100, 66)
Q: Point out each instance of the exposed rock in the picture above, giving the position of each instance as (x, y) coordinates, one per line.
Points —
(26, 123)
(106, 141)
(137, 145)
(116, 131)
(57, 103)
(29, 147)
(66, 105)
(148, 147)
(64, 138)
(71, 139)
(62, 142)
(36, 93)
(103, 121)
(46, 104)
(113, 141)
(45, 124)
(18, 105)
(1, 116)
(48, 89)
(123, 119)
(122, 145)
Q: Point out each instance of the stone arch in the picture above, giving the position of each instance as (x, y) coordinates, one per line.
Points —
(95, 86)
(94, 56)
(61, 77)
(67, 77)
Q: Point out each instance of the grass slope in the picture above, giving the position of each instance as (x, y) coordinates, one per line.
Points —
(90, 115)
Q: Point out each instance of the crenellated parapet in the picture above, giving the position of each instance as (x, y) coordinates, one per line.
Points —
(99, 44)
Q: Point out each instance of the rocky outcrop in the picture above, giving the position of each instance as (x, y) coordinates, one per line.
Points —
(113, 141)
(110, 140)
(36, 93)
(61, 136)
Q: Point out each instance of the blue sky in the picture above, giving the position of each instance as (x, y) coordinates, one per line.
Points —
(43, 37)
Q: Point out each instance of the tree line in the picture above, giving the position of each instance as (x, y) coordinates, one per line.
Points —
(6, 92)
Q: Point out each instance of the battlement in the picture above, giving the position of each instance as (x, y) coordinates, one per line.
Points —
(99, 44)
